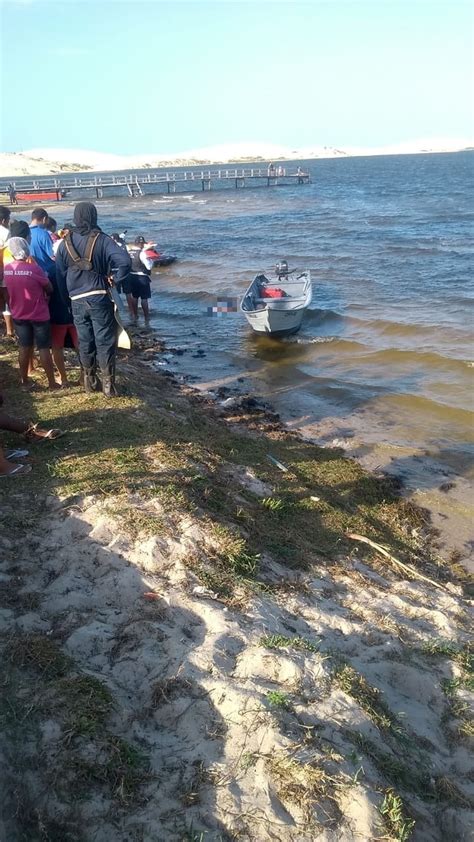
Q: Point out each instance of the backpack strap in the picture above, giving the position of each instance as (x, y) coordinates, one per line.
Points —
(82, 262)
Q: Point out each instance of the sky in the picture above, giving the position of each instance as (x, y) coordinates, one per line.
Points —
(145, 76)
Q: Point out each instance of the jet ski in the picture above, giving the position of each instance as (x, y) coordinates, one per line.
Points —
(157, 257)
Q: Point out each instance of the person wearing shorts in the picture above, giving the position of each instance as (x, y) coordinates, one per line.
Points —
(138, 281)
(63, 330)
(27, 287)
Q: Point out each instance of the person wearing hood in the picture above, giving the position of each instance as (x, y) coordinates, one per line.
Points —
(86, 260)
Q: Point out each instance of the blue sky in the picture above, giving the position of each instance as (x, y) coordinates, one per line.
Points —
(157, 77)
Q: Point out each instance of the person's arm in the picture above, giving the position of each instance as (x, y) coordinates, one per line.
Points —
(61, 265)
(45, 246)
(147, 262)
(118, 260)
(42, 279)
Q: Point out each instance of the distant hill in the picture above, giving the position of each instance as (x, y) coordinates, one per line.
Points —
(35, 162)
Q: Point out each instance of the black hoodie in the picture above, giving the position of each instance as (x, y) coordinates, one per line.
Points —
(106, 258)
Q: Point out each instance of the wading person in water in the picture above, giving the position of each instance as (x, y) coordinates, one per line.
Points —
(85, 260)
(138, 283)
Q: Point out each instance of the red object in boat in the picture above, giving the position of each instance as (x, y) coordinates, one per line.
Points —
(47, 196)
(273, 292)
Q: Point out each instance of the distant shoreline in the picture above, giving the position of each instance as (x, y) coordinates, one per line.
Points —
(44, 162)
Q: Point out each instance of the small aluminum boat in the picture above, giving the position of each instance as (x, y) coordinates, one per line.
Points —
(276, 305)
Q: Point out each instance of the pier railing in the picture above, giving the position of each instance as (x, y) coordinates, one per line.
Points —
(134, 183)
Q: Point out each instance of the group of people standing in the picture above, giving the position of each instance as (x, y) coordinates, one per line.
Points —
(56, 290)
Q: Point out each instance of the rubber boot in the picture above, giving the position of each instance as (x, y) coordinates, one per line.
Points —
(91, 381)
(108, 381)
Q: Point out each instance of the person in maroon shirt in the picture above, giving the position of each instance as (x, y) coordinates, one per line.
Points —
(27, 289)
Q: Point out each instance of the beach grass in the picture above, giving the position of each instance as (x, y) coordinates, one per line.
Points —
(161, 456)
(185, 458)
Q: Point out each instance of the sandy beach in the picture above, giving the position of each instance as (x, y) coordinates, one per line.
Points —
(199, 644)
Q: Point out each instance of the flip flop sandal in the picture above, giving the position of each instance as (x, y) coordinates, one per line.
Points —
(19, 470)
(16, 454)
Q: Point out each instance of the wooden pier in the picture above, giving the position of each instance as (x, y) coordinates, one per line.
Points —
(136, 185)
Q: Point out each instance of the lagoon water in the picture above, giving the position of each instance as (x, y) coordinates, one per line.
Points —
(384, 361)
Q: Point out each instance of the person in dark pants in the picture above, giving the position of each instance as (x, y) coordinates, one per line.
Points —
(139, 279)
(86, 260)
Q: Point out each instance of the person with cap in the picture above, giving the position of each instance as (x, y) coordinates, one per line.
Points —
(27, 289)
(4, 234)
(138, 284)
(85, 262)
(41, 246)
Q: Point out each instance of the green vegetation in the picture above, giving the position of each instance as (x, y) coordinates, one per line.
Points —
(155, 458)
(119, 767)
(462, 655)
(181, 457)
(272, 504)
(87, 703)
(369, 698)
(410, 774)
(279, 700)
(398, 824)
(39, 653)
(278, 641)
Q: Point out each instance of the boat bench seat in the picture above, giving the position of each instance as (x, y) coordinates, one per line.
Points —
(288, 299)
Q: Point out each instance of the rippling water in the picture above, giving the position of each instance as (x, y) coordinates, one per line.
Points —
(385, 354)
(389, 244)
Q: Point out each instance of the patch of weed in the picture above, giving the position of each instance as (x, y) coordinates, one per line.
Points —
(118, 765)
(167, 689)
(457, 719)
(279, 641)
(279, 700)
(308, 786)
(399, 825)
(273, 504)
(87, 701)
(441, 647)
(39, 653)
(368, 697)
(410, 775)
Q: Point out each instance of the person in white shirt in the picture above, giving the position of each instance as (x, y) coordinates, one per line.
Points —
(137, 285)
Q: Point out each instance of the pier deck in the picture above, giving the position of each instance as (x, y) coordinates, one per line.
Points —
(136, 184)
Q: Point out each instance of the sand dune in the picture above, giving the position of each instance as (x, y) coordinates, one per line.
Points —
(51, 161)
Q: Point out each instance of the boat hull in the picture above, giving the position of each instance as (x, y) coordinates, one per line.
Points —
(275, 322)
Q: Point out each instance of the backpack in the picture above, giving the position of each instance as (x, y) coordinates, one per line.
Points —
(83, 263)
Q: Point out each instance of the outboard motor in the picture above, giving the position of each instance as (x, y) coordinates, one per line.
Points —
(282, 269)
